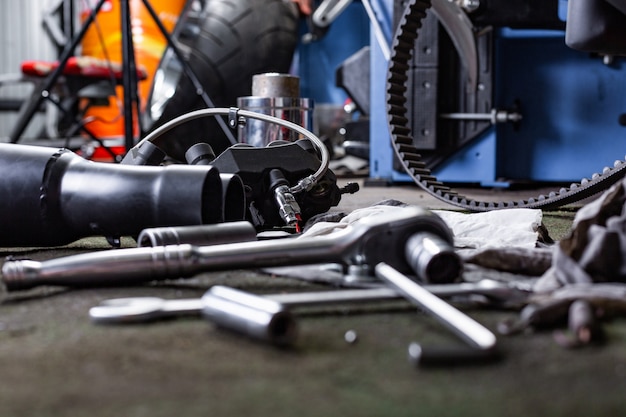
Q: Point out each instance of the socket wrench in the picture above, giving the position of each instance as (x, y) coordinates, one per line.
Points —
(411, 239)
(146, 309)
(255, 316)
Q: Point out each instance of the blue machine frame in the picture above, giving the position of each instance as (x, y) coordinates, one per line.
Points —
(571, 103)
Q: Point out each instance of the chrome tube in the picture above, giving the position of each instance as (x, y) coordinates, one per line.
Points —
(252, 315)
(204, 235)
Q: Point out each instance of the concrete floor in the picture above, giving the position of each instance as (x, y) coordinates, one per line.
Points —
(55, 361)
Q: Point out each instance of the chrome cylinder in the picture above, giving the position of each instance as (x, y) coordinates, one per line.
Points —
(432, 258)
(249, 314)
(275, 95)
(204, 235)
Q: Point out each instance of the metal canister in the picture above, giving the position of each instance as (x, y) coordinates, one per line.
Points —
(276, 95)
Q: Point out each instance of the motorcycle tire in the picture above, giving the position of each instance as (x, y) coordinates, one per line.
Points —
(225, 44)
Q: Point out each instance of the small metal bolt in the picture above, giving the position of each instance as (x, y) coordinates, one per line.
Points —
(350, 337)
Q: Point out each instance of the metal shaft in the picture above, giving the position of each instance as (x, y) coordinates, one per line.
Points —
(133, 309)
(370, 240)
(462, 325)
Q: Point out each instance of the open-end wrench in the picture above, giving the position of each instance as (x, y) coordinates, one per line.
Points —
(143, 309)
(268, 317)
(412, 240)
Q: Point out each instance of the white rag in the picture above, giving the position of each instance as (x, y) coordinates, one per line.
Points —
(514, 227)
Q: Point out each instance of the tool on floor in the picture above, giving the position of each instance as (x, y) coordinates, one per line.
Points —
(480, 340)
(412, 240)
(210, 234)
(145, 309)
(255, 316)
(462, 325)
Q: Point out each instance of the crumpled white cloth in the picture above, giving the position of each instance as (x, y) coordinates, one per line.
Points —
(494, 229)
(473, 232)
(514, 227)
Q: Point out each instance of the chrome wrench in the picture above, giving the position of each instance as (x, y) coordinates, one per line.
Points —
(257, 317)
(412, 240)
(144, 309)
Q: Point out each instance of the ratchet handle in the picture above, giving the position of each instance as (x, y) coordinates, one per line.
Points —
(374, 239)
(105, 268)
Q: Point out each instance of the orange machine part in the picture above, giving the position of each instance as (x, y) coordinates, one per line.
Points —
(103, 40)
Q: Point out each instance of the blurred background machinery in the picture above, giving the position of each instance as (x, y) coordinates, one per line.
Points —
(522, 107)
(496, 97)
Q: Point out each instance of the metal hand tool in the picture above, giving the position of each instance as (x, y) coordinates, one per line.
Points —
(210, 234)
(462, 325)
(142, 309)
(249, 314)
(252, 315)
(412, 240)
(481, 341)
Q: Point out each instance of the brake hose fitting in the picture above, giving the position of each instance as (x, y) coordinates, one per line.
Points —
(288, 207)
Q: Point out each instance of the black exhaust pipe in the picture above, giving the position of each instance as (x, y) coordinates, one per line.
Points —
(51, 197)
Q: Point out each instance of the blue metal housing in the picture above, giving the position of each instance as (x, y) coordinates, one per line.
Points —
(571, 104)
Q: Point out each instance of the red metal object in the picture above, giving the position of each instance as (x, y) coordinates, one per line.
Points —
(82, 66)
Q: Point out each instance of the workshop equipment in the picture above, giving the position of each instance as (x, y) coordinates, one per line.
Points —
(254, 316)
(269, 172)
(469, 330)
(53, 197)
(481, 342)
(277, 95)
(147, 309)
(258, 317)
(286, 183)
(203, 235)
(499, 84)
(389, 238)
